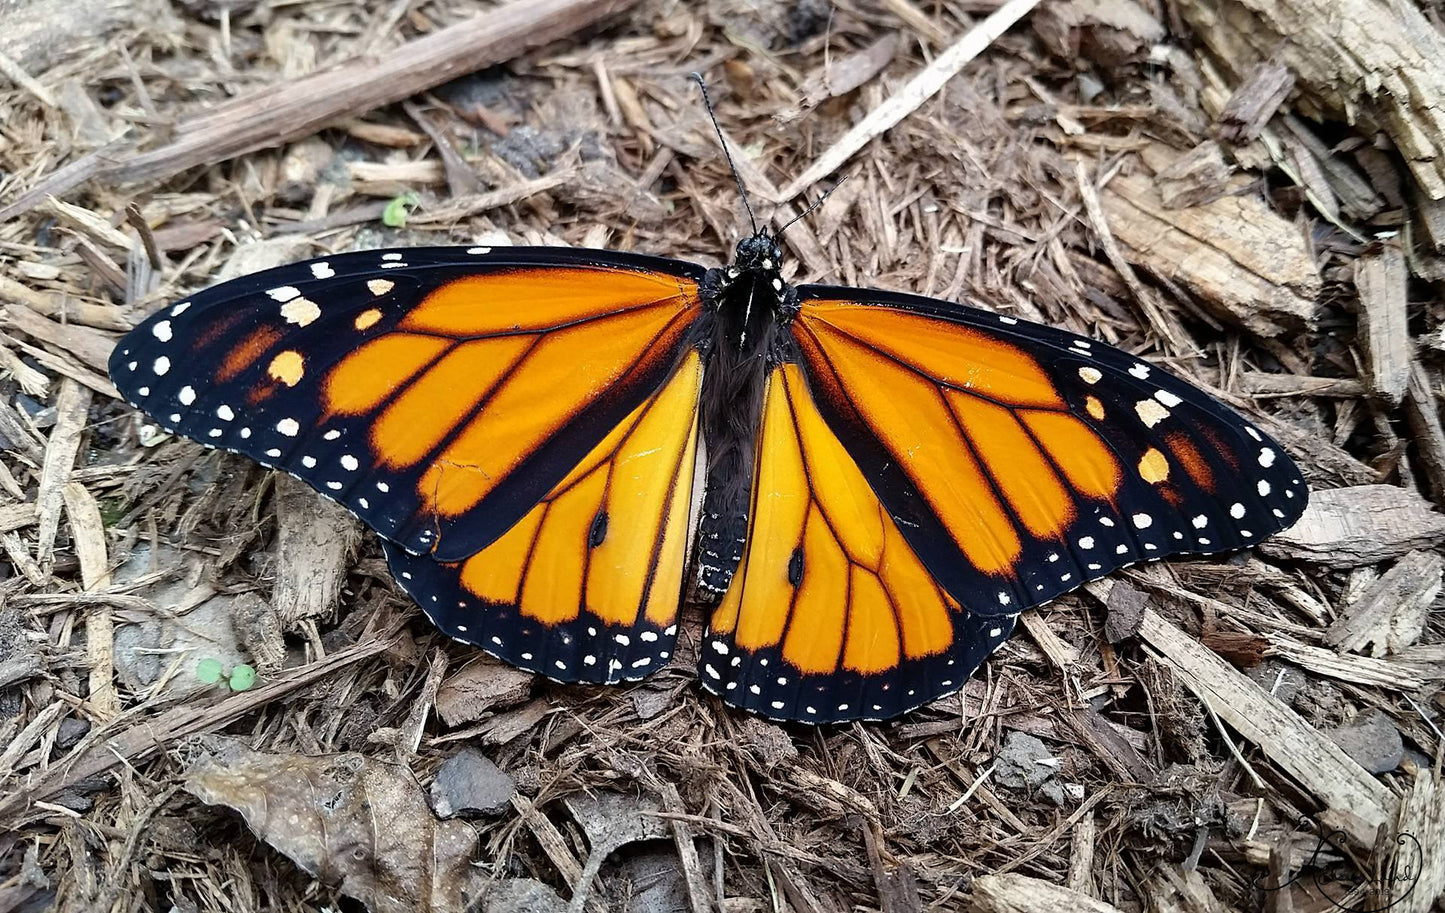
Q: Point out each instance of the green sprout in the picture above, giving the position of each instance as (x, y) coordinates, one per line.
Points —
(208, 670)
(242, 677)
(397, 210)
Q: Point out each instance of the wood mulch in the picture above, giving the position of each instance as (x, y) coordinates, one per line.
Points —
(1251, 192)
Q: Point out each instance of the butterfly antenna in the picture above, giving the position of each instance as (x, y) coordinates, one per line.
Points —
(742, 191)
(815, 204)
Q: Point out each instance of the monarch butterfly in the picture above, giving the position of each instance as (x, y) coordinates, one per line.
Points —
(557, 445)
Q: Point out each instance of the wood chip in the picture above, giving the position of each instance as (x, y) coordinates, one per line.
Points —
(1246, 262)
(1255, 102)
(316, 539)
(1382, 70)
(1348, 527)
(1420, 826)
(479, 686)
(1014, 893)
(71, 409)
(1390, 615)
(1353, 800)
(907, 99)
(1384, 322)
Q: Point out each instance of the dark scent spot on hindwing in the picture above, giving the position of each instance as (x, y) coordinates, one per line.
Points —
(795, 566)
(598, 532)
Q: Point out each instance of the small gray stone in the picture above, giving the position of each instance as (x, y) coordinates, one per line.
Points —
(1371, 739)
(469, 783)
(71, 731)
(1025, 764)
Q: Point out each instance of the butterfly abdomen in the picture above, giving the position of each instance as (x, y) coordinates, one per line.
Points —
(742, 343)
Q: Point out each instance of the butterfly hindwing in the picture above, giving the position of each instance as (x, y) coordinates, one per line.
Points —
(586, 586)
(1020, 461)
(831, 616)
(438, 393)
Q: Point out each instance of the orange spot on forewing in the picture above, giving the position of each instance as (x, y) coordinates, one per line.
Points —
(529, 299)
(947, 352)
(1086, 460)
(1020, 471)
(373, 373)
(442, 395)
(1153, 467)
(1194, 463)
(563, 374)
(367, 319)
(288, 367)
(247, 352)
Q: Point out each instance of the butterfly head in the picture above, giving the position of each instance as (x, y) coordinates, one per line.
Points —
(759, 253)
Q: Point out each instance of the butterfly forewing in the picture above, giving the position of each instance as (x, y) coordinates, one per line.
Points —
(437, 392)
(1021, 461)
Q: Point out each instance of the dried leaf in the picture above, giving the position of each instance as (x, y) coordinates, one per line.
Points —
(355, 823)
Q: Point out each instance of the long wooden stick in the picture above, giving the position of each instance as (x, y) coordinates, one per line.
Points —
(907, 100)
(288, 111)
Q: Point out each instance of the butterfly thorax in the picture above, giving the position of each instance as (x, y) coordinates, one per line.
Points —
(750, 303)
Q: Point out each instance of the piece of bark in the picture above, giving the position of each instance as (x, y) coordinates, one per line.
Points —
(1356, 197)
(1361, 61)
(841, 76)
(1126, 606)
(1390, 615)
(1261, 383)
(1363, 671)
(37, 34)
(1014, 893)
(1422, 413)
(1111, 33)
(1199, 176)
(1349, 527)
(1249, 265)
(1354, 801)
(315, 542)
(479, 686)
(71, 412)
(1254, 102)
(1419, 828)
(1384, 322)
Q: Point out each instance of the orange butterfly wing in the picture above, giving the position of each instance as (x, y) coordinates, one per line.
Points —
(586, 587)
(831, 616)
(1021, 461)
(439, 393)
